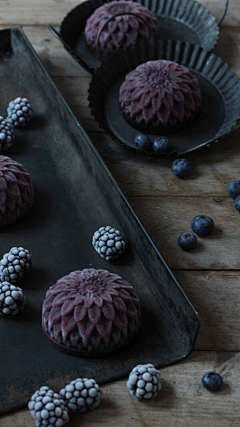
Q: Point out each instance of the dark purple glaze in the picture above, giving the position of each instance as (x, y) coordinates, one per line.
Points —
(120, 31)
(16, 191)
(159, 94)
(90, 312)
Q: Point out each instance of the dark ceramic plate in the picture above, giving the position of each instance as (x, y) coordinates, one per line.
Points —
(220, 109)
(75, 194)
(185, 20)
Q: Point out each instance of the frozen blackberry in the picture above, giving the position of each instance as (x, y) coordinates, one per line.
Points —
(14, 264)
(6, 135)
(19, 112)
(108, 243)
(48, 408)
(144, 381)
(81, 394)
(12, 299)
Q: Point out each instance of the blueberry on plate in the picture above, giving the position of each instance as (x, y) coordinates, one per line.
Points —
(143, 142)
(161, 145)
(234, 189)
(202, 225)
(237, 203)
(187, 241)
(212, 381)
(181, 168)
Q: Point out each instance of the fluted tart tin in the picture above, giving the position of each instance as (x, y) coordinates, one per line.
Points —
(220, 109)
(185, 20)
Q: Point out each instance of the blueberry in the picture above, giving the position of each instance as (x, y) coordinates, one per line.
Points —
(161, 145)
(202, 225)
(187, 241)
(237, 203)
(181, 167)
(212, 381)
(143, 142)
(234, 189)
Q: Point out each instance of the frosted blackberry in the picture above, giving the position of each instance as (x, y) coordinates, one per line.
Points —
(19, 112)
(48, 408)
(12, 299)
(81, 394)
(108, 243)
(6, 135)
(15, 264)
(144, 381)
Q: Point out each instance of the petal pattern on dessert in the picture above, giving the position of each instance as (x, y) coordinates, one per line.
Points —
(80, 312)
(94, 314)
(108, 311)
(67, 308)
(119, 305)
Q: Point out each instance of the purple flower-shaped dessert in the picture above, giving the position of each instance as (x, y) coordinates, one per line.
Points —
(159, 95)
(90, 312)
(16, 191)
(121, 30)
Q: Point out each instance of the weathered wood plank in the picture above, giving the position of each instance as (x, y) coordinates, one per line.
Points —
(215, 295)
(142, 175)
(167, 217)
(45, 12)
(182, 402)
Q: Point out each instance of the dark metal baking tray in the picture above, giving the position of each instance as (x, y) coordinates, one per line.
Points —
(185, 20)
(220, 88)
(75, 194)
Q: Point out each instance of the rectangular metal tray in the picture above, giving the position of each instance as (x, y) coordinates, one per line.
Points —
(75, 194)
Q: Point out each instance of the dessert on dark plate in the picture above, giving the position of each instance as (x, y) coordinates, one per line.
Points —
(90, 312)
(16, 191)
(120, 31)
(159, 96)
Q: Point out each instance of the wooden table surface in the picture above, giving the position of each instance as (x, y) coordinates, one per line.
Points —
(166, 205)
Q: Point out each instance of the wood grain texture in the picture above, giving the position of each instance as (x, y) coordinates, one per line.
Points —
(181, 402)
(215, 295)
(167, 217)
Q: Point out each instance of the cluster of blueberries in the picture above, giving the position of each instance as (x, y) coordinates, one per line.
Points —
(234, 191)
(161, 145)
(202, 225)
